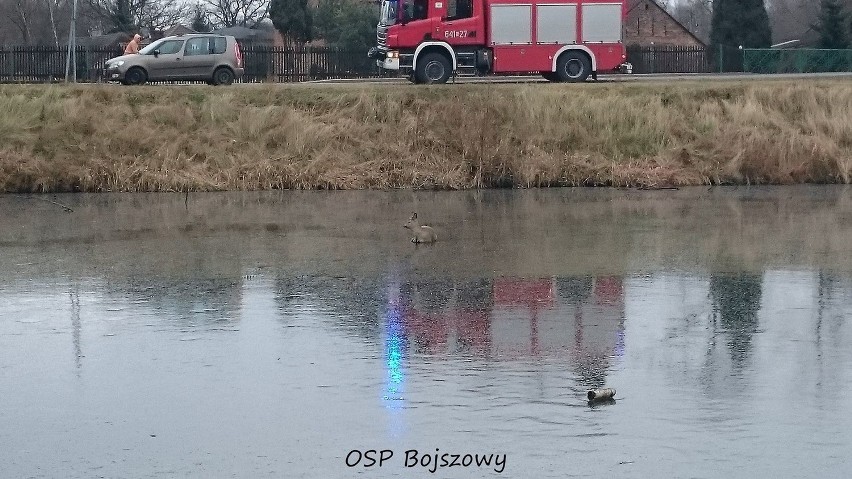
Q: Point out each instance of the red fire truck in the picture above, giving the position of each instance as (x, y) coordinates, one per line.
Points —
(563, 40)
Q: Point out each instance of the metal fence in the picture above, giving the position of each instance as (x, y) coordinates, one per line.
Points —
(30, 64)
(672, 59)
(278, 64)
(669, 59)
(800, 60)
(684, 59)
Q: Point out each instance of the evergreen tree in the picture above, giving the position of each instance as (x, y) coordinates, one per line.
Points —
(292, 19)
(346, 24)
(832, 25)
(736, 300)
(200, 20)
(740, 23)
(121, 17)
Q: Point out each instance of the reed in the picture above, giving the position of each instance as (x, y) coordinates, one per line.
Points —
(258, 137)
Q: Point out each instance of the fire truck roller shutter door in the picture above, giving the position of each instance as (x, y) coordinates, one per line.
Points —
(602, 22)
(511, 24)
(557, 24)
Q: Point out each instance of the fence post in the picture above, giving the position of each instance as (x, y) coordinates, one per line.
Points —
(88, 56)
(653, 55)
(721, 58)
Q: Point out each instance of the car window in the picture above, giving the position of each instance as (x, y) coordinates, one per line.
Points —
(150, 48)
(197, 46)
(169, 47)
(219, 45)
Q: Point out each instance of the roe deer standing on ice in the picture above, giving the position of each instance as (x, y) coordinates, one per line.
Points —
(422, 234)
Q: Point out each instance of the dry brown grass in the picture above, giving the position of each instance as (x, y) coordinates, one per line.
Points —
(392, 136)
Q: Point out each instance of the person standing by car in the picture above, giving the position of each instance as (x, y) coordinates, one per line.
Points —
(133, 45)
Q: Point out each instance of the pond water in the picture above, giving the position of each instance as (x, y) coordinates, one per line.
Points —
(273, 334)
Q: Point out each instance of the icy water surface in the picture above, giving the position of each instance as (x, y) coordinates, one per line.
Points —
(286, 334)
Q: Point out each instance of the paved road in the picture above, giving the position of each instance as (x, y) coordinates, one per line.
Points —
(616, 78)
(609, 78)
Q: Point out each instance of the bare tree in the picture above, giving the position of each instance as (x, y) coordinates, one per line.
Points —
(23, 15)
(789, 19)
(792, 19)
(695, 15)
(231, 13)
(33, 22)
(53, 8)
(130, 15)
(163, 14)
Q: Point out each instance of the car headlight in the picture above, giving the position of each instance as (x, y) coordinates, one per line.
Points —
(115, 64)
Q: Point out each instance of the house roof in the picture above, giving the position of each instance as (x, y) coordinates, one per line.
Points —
(178, 30)
(104, 41)
(631, 4)
(245, 33)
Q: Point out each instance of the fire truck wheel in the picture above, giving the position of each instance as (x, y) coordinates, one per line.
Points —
(433, 68)
(573, 66)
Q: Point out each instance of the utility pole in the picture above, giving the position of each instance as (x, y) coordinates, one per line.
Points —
(71, 60)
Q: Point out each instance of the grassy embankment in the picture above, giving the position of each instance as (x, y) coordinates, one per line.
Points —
(110, 138)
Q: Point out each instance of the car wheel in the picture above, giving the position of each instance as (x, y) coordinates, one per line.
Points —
(223, 76)
(135, 76)
(433, 68)
(573, 66)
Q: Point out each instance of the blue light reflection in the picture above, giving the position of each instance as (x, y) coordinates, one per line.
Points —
(394, 352)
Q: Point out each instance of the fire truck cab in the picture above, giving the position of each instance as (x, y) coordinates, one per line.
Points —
(563, 40)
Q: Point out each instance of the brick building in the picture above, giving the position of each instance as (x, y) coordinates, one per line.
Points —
(648, 24)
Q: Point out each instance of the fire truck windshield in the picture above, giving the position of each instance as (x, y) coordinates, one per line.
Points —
(389, 9)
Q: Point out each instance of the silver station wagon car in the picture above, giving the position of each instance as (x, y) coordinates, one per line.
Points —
(213, 58)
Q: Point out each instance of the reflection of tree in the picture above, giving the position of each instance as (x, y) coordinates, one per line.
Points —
(575, 289)
(736, 300)
(354, 302)
(475, 294)
(184, 300)
(430, 294)
(591, 371)
(76, 326)
(447, 315)
(596, 309)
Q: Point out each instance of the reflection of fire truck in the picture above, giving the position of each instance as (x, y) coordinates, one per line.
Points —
(564, 40)
(580, 317)
(456, 322)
